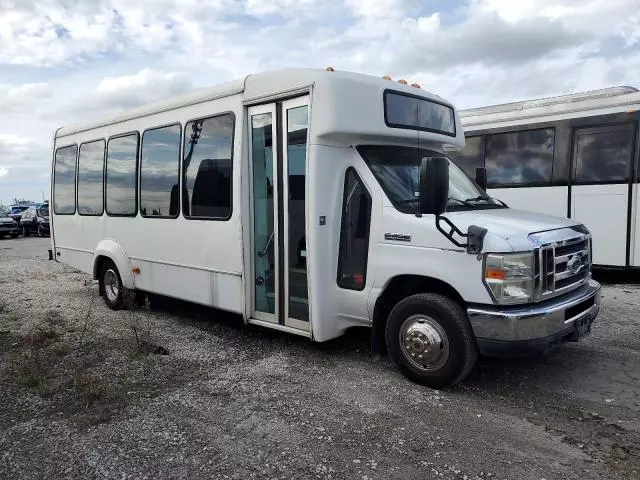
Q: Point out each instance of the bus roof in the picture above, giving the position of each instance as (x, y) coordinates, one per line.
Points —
(255, 88)
(594, 102)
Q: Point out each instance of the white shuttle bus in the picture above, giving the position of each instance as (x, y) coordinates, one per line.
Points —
(311, 201)
(574, 156)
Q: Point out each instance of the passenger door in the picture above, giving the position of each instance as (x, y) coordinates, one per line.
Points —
(600, 175)
(278, 135)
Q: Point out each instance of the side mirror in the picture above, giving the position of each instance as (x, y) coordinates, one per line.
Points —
(481, 177)
(434, 185)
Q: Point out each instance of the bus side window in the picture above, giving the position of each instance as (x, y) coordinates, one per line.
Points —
(354, 233)
(64, 181)
(207, 168)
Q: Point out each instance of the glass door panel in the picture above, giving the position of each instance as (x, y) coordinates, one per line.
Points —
(265, 255)
(296, 117)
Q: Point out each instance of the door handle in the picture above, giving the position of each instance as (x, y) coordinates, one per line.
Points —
(266, 247)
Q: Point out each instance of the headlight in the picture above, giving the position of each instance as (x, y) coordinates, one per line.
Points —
(510, 277)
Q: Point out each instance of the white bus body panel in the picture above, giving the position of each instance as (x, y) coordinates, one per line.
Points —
(635, 227)
(195, 260)
(603, 209)
(547, 200)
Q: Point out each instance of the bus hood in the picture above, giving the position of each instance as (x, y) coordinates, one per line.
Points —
(513, 226)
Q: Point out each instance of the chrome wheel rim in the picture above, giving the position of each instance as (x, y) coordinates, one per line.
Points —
(424, 342)
(111, 285)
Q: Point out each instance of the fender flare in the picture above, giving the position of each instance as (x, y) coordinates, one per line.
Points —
(112, 250)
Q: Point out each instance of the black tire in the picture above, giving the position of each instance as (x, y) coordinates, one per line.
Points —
(1, 236)
(24, 232)
(428, 313)
(118, 297)
(39, 231)
(14, 235)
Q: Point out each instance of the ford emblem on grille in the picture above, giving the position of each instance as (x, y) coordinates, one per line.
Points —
(574, 265)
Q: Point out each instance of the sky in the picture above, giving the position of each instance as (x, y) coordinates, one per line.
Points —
(66, 61)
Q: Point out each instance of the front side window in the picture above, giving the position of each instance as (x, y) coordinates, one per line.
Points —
(354, 233)
(207, 168)
(64, 181)
(520, 158)
(122, 156)
(397, 169)
(90, 178)
(159, 172)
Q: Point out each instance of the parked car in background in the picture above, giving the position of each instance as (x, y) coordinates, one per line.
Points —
(35, 220)
(8, 226)
(16, 212)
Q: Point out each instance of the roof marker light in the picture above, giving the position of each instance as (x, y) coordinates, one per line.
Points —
(386, 77)
(415, 85)
(330, 69)
(402, 81)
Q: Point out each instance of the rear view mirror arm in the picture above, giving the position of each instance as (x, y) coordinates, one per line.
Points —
(474, 236)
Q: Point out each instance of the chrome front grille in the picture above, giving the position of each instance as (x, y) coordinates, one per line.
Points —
(563, 266)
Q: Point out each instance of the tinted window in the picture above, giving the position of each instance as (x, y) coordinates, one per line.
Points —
(520, 158)
(90, 178)
(472, 156)
(122, 154)
(43, 211)
(159, 172)
(354, 233)
(207, 167)
(64, 181)
(603, 154)
(404, 111)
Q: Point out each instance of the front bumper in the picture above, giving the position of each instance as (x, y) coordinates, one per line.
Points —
(522, 330)
(9, 229)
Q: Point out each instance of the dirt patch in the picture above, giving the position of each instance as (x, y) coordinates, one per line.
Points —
(82, 376)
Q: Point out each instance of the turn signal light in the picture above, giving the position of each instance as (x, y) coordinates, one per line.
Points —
(136, 270)
(494, 274)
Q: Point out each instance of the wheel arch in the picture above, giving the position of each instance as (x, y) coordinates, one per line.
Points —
(109, 249)
(398, 288)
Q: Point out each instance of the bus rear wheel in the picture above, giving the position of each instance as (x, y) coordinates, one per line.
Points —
(430, 339)
(114, 293)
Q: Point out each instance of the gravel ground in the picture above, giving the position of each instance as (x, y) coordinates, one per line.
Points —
(81, 399)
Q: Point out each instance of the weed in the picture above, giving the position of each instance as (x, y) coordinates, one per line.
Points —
(53, 318)
(42, 336)
(30, 380)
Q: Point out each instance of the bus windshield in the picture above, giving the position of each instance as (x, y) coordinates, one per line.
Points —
(397, 169)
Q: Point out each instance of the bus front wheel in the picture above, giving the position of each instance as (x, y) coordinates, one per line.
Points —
(429, 337)
(114, 293)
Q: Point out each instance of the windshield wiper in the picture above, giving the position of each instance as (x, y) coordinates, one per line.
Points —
(463, 202)
(486, 199)
(477, 199)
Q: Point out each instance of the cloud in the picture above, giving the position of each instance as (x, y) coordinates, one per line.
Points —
(146, 86)
(17, 98)
(63, 62)
(3, 171)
